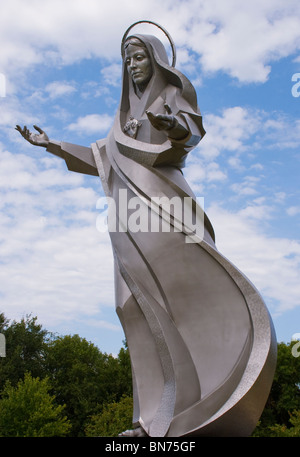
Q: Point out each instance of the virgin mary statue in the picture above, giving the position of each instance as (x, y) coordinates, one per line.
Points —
(200, 338)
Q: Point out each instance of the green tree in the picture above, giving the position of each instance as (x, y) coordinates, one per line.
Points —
(124, 372)
(114, 419)
(3, 323)
(284, 431)
(284, 398)
(26, 342)
(82, 377)
(117, 377)
(28, 410)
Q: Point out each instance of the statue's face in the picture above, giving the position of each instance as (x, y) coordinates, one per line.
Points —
(139, 65)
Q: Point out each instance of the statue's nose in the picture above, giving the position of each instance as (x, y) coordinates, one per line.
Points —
(132, 64)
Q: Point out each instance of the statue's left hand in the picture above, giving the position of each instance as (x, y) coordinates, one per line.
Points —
(162, 121)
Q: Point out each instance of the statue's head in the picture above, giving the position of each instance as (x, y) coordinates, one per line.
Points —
(138, 62)
(146, 64)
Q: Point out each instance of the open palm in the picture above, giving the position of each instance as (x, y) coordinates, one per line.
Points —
(40, 139)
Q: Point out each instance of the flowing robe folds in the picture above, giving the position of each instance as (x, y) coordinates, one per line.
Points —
(200, 338)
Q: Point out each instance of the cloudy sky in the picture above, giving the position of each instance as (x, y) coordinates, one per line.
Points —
(60, 69)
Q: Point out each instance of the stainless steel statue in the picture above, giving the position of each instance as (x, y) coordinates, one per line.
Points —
(201, 341)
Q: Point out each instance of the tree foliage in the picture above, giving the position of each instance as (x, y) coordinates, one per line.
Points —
(284, 399)
(28, 410)
(26, 342)
(283, 431)
(115, 418)
(82, 377)
(95, 388)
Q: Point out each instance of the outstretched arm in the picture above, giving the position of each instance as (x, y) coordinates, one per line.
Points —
(78, 158)
(40, 140)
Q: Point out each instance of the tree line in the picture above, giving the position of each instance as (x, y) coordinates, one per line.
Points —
(64, 381)
(65, 386)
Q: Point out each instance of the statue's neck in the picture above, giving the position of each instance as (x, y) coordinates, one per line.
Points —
(140, 89)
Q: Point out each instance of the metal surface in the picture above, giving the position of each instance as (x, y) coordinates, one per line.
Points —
(201, 341)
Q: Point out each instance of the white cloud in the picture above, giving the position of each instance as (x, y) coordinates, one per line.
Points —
(21, 172)
(239, 131)
(242, 40)
(199, 173)
(237, 135)
(60, 88)
(247, 186)
(272, 264)
(92, 123)
(236, 163)
(257, 166)
(280, 197)
(280, 130)
(228, 131)
(293, 210)
(213, 172)
(195, 175)
(54, 263)
(12, 111)
(112, 74)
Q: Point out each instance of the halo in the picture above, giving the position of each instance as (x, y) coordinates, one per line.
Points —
(161, 28)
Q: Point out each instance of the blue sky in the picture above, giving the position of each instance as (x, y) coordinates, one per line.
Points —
(61, 65)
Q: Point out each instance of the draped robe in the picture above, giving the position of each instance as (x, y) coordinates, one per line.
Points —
(200, 338)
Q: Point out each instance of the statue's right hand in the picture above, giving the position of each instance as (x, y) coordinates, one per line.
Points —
(33, 138)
